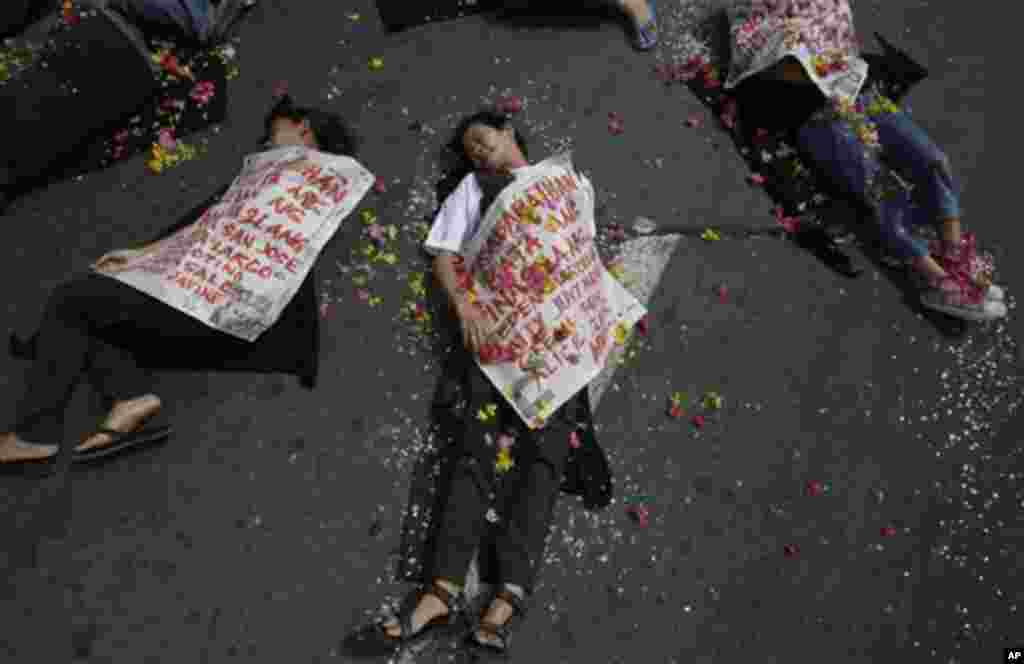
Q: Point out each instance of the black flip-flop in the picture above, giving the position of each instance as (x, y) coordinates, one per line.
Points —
(123, 441)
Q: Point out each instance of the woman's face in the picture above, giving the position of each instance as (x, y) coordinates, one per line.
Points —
(489, 149)
(285, 131)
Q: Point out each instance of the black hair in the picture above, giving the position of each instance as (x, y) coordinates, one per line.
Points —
(489, 118)
(331, 133)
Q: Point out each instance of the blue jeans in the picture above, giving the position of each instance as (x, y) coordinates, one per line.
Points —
(908, 150)
(191, 17)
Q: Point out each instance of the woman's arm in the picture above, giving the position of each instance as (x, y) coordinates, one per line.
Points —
(475, 329)
(444, 270)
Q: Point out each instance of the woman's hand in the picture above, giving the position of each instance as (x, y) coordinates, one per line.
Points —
(475, 329)
(116, 261)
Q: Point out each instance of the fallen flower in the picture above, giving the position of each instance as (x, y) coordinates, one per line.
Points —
(676, 411)
(202, 92)
(505, 441)
(504, 462)
(728, 114)
(888, 531)
(379, 186)
(621, 334)
(166, 139)
(695, 121)
(790, 224)
(641, 325)
(791, 550)
(723, 293)
(710, 235)
(713, 401)
(487, 413)
(509, 105)
(280, 89)
(574, 440)
(756, 179)
(324, 309)
(615, 124)
(815, 488)
(639, 513)
(376, 64)
(698, 421)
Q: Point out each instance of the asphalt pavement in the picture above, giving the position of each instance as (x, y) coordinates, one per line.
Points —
(856, 498)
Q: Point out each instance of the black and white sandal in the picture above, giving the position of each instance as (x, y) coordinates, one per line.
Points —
(452, 601)
(503, 632)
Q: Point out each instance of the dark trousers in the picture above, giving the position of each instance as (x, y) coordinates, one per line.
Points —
(523, 499)
(71, 344)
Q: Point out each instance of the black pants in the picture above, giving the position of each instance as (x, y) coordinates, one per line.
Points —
(523, 499)
(71, 344)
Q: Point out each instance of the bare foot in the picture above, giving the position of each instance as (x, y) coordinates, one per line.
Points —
(429, 608)
(14, 450)
(498, 613)
(125, 416)
(637, 10)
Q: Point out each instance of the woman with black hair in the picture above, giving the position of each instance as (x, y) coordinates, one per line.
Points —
(507, 508)
(102, 328)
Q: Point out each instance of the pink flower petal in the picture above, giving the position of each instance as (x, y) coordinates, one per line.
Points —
(757, 179)
(280, 88)
(574, 440)
(509, 105)
(379, 186)
(695, 121)
(166, 139)
(363, 294)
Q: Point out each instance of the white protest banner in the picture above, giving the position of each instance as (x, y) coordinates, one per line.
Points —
(240, 264)
(820, 34)
(534, 270)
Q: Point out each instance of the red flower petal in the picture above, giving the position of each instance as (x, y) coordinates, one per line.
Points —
(698, 421)
(379, 186)
(791, 550)
(756, 179)
(695, 121)
(280, 88)
(509, 105)
(888, 531)
(815, 488)
(641, 325)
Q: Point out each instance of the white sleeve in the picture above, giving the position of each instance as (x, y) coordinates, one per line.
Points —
(457, 220)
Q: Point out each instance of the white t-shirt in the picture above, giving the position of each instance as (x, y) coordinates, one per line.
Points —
(459, 217)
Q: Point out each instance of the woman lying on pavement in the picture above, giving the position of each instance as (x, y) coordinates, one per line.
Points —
(100, 326)
(807, 52)
(507, 476)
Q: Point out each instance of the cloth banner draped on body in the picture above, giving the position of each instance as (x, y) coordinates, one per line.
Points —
(534, 271)
(240, 264)
(820, 34)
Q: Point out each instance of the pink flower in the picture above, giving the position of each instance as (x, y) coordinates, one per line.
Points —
(504, 278)
(888, 531)
(574, 440)
(166, 139)
(695, 121)
(535, 278)
(324, 309)
(379, 186)
(791, 224)
(509, 105)
(280, 89)
(728, 115)
(615, 124)
(723, 293)
(376, 233)
(756, 179)
(202, 92)
(698, 421)
(505, 441)
(791, 550)
(363, 294)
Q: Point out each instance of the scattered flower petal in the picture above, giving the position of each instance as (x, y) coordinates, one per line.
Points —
(815, 488)
(888, 531)
(379, 186)
(695, 121)
(376, 64)
(756, 179)
(698, 421)
(280, 89)
(574, 440)
(509, 105)
(710, 235)
(791, 550)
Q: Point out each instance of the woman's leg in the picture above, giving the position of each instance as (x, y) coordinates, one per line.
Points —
(65, 346)
(840, 155)
(911, 151)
